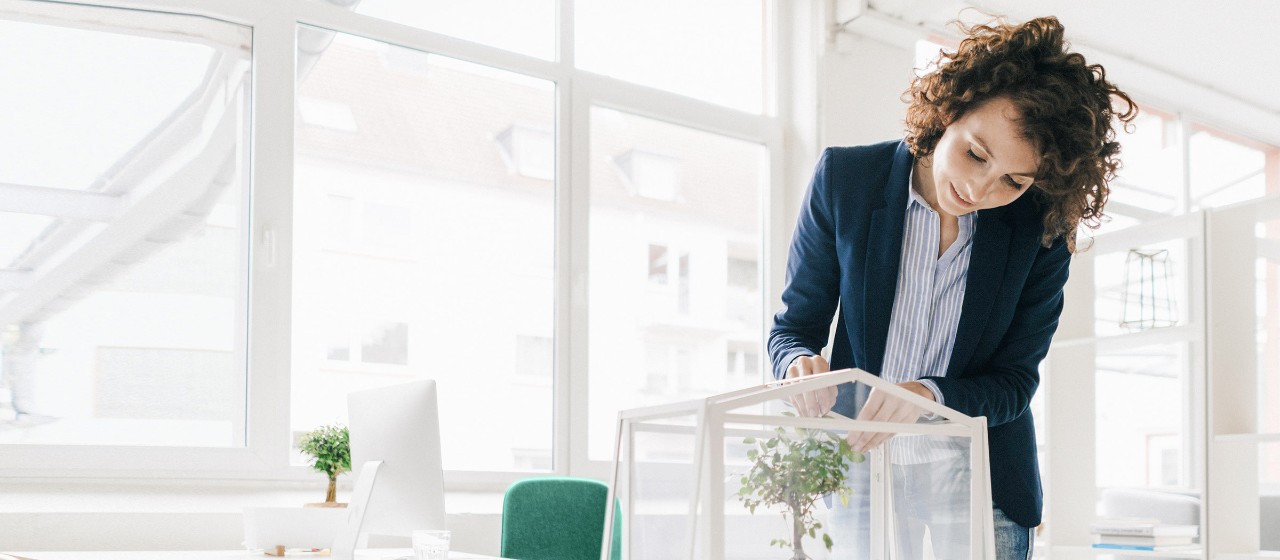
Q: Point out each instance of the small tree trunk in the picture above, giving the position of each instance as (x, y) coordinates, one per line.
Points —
(332, 495)
(797, 532)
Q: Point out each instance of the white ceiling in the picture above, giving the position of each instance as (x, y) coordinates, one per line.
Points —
(1213, 58)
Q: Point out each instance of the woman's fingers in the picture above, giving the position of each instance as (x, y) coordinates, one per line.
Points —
(827, 399)
(795, 370)
(882, 408)
(819, 364)
(811, 403)
(870, 411)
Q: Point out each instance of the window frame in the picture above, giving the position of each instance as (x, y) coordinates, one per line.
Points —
(266, 457)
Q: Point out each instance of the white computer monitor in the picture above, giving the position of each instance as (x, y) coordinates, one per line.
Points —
(398, 425)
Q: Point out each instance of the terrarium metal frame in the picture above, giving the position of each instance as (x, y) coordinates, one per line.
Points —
(714, 412)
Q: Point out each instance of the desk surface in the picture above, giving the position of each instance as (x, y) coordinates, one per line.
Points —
(372, 554)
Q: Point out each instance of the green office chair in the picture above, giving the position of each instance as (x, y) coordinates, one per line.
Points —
(558, 518)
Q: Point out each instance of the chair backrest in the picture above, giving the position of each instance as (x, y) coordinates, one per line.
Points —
(557, 518)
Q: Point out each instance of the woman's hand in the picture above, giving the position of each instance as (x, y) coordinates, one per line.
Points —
(885, 408)
(812, 403)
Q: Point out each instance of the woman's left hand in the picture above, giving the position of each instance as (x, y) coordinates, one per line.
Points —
(885, 408)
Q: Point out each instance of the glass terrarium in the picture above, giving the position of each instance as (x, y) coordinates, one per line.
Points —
(740, 475)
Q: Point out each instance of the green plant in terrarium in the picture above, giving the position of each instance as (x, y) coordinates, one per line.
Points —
(794, 469)
(330, 449)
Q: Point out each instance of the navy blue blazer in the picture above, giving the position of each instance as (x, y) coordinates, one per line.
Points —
(845, 253)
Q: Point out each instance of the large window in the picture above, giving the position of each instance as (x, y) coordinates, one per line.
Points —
(123, 228)
(1150, 184)
(428, 256)
(1227, 168)
(1173, 165)
(471, 192)
(668, 274)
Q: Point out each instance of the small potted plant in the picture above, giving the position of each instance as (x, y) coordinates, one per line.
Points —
(330, 448)
(276, 529)
(794, 470)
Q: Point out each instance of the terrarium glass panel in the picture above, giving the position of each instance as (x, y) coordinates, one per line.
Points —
(740, 475)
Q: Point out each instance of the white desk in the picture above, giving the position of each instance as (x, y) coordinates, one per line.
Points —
(373, 554)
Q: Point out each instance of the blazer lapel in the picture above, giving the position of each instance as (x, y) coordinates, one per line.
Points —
(987, 261)
(884, 252)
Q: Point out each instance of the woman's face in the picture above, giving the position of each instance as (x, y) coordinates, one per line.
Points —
(981, 161)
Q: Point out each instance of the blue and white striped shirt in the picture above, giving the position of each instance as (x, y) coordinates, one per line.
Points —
(926, 309)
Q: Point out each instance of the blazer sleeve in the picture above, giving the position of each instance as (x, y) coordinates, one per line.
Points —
(812, 290)
(1002, 392)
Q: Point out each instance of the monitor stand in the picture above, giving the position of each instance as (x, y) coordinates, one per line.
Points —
(344, 546)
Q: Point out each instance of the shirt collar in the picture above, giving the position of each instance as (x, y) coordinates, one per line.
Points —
(966, 221)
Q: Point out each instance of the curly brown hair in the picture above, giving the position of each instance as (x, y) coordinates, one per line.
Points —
(1067, 110)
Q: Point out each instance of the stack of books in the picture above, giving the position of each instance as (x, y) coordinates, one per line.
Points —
(1143, 534)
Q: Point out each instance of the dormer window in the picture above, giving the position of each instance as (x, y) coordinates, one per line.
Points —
(327, 114)
(650, 174)
(529, 150)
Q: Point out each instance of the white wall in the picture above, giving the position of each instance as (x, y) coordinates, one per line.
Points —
(861, 87)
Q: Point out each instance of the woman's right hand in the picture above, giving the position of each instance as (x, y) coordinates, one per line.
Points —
(812, 403)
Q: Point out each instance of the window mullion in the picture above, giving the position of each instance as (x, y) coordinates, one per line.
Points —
(573, 202)
(271, 231)
(569, 364)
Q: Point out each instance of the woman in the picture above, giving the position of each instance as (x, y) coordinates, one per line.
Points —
(946, 254)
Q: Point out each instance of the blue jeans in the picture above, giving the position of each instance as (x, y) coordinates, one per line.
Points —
(932, 497)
